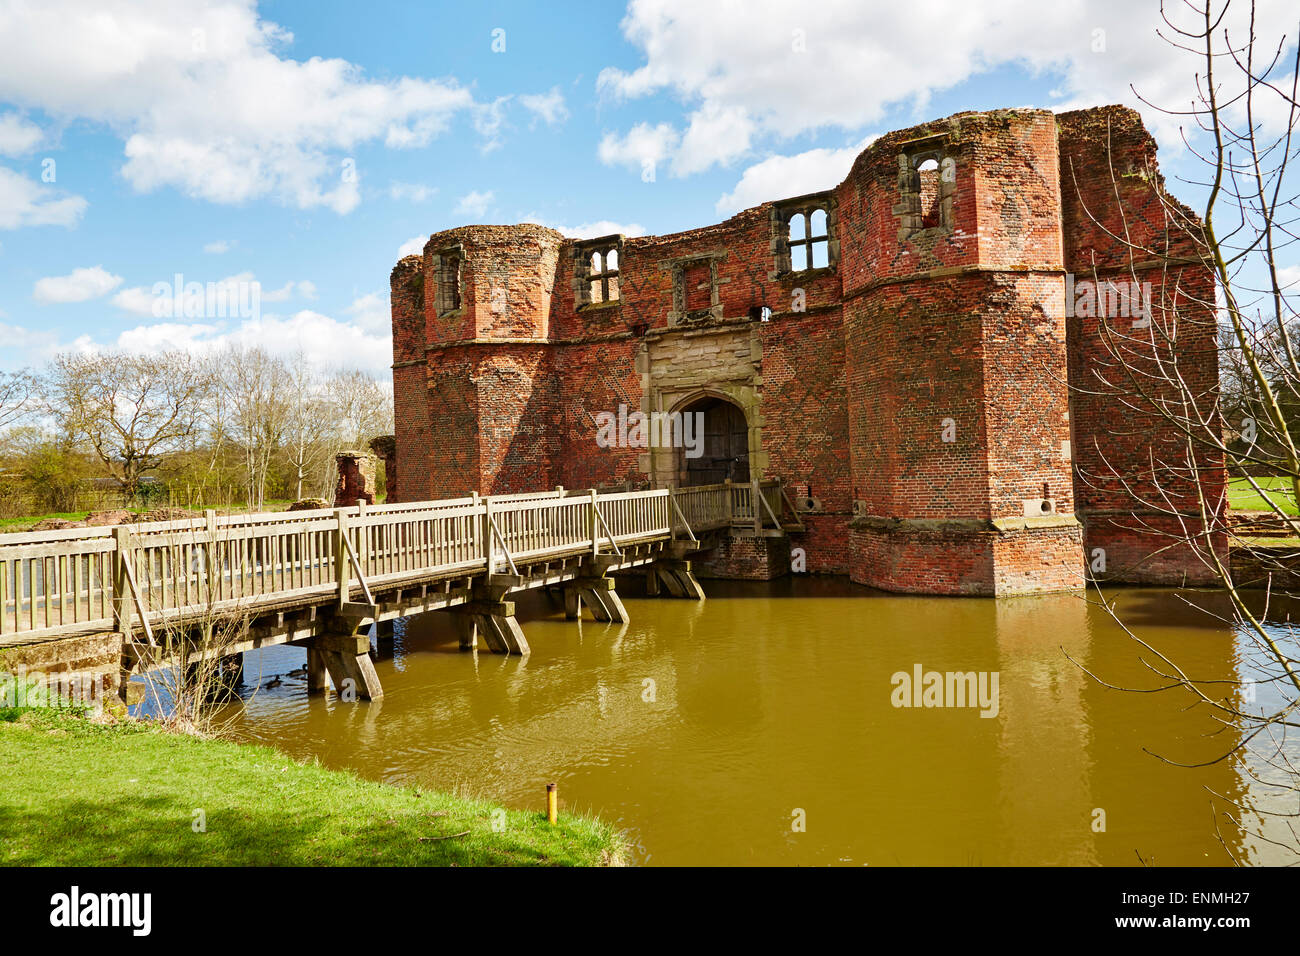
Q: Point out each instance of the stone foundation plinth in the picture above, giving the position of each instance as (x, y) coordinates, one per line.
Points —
(744, 558)
(82, 669)
(1132, 548)
(1007, 556)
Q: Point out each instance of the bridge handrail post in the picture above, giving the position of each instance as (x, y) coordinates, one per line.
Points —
(754, 492)
(489, 546)
(121, 589)
(731, 505)
(210, 558)
(595, 531)
(342, 571)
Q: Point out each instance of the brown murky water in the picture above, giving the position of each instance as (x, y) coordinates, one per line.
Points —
(706, 730)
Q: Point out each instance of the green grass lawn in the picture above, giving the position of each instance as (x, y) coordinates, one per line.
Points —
(25, 522)
(78, 793)
(1242, 497)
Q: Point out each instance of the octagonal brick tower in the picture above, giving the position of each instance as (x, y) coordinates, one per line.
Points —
(955, 344)
(472, 376)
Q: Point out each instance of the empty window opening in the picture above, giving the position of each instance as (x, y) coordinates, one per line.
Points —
(808, 240)
(931, 210)
(598, 279)
(604, 276)
(448, 291)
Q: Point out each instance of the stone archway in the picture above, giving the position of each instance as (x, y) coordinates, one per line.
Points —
(725, 451)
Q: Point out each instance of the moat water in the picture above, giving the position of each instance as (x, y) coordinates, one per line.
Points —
(759, 726)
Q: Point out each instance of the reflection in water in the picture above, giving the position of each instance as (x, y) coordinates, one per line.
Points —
(701, 729)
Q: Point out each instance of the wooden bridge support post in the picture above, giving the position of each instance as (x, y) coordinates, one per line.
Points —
(347, 659)
(487, 615)
(599, 595)
(676, 576)
(317, 676)
(493, 621)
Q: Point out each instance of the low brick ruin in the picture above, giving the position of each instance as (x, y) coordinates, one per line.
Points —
(356, 482)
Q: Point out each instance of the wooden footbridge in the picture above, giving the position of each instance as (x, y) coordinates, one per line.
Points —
(319, 579)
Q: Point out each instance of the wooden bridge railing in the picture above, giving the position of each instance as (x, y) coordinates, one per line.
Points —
(83, 580)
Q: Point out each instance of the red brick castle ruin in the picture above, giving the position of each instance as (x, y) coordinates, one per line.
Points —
(902, 351)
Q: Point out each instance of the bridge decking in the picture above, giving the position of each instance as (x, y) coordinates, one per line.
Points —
(318, 577)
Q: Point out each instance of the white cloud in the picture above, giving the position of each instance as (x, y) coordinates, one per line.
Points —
(136, 300)
(206, 104)
(323, 341)
(473, 203)
(371, 312)
(779, 177)
(590, 230)
(306, 288)
(488, 120)
(25, 347)
(783, 70)
(17, 135)
(548, 107)
(23, 202)
(643, 146)
(80, 285)
(414, 192)
(716, 134)
(219, 246)
(412, 247)
(155, 301)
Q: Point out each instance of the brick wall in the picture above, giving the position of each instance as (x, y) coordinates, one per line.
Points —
(744, 558)
(1134, 479)
(922, 373)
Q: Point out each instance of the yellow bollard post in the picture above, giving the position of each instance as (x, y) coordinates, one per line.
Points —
(552, 802)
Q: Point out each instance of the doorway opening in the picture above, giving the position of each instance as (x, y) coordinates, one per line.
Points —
(726, 444)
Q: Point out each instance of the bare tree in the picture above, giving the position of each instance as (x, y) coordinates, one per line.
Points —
(361, 404)
(307, 428)
(17, 396)
(360, 408)
(1217, 283)
(130, 410)
(257, 388)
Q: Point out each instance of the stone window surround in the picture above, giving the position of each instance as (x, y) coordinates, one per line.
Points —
(448, 302)
(911, 217)
(780, 216)
(678, 268)
(584, 275)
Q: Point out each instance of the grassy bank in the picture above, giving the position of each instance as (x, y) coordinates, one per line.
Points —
(1242, 497)
(79, 793)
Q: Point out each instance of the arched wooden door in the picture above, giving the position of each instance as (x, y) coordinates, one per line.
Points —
(726, 444)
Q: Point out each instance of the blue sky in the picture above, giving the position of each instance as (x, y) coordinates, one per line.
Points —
(218, 140)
